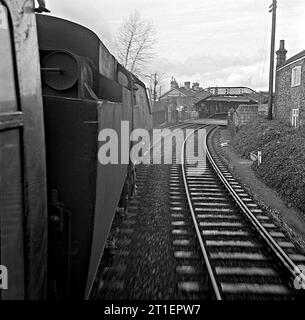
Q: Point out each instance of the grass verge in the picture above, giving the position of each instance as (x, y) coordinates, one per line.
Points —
(283, 150)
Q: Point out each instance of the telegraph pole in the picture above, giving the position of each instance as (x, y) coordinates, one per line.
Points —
(272, 9)
(154, 80)
(155, 89)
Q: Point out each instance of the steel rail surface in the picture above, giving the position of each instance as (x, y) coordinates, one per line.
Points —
(202, 246)
(177, 126)
(276, 249)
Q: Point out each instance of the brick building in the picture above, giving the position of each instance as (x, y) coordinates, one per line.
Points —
(290, 87)
(179, 99)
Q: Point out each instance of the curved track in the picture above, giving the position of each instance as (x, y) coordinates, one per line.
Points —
(246, 255)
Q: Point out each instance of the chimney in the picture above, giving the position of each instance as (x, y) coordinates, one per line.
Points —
(195, 86)
(281, 54)
(174, 83)
(187, 85)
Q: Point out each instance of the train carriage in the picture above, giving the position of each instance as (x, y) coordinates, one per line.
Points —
(23, 203)
(84, 90)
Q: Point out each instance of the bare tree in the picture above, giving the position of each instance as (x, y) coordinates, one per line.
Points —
(155, 82)
(135, 43)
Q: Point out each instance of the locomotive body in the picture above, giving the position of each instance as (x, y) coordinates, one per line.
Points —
(84, 90)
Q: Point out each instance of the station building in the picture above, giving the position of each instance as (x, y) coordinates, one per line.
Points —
(179, 100)
(219, 100)
(187, 102)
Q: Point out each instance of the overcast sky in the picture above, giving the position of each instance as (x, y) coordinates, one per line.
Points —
(214, 42)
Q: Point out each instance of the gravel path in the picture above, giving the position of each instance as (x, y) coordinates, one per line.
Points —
(150, 273)
(145, 248)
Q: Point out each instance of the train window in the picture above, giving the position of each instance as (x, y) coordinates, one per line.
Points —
(7, 75)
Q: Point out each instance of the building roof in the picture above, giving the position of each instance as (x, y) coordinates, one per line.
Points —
(229, 98)
(187, 92)
(237, 94)
(201, 95)
(293, 58)
(180, 92)
(238, 91)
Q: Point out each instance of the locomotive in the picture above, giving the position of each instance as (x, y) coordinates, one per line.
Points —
(59, 87)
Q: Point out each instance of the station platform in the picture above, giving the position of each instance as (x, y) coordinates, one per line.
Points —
(218, 122)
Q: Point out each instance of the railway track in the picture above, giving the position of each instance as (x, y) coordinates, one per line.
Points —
(216, 242)
(245, 254)
(133, 242)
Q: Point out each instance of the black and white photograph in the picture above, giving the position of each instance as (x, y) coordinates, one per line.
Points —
(152, 153)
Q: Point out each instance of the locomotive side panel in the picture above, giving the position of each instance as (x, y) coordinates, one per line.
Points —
(143, 116)
(55, 33)
(83, 192)
(71, 140)
(110, 181)
(107, 63)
